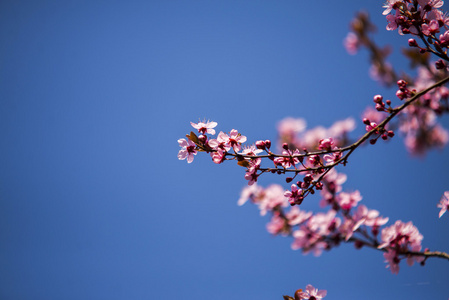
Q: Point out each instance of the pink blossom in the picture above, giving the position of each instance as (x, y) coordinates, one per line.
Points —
(326, 144)
(233, 140)
(324, 223)
(291, 126)
(363, 216)
(312, 293)
(252, 192)
(204, 127)
(401, 236)
(392, 24)
(332, 157)
(431, 28)
(444, 203)
(272, 197)
(308, 240)
(250, 150)
(392, 260)
(431, 3)
(251, 173)
(297, 216)
(187, 151)
(311, 137)
(444, 39)
(370, 217)
(277, 225)
(332, 184)
(348, 200)
(340, 128)
(218, 156)
(389, 6)
(294, 195)
(314, 160)
(287, 162)
(219, 143)
(352, 43)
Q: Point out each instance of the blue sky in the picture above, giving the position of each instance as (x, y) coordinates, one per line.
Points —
(93, 201)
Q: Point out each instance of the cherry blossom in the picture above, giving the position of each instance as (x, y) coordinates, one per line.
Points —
(233, 140)
(277, 225)
(187, 151)
(312, 293)
(352, 43)
(348, 200)
(204, 127)
(294, 195)
(444, 204)
(402, 235)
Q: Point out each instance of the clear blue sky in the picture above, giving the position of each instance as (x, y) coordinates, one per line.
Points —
(93, 201)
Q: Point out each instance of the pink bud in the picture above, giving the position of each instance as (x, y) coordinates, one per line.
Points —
(202, 139)
(378, 98)
(379, 107)
(268, 143)
(412, 43)
(400, 95)
(440, 64)
(260, 145)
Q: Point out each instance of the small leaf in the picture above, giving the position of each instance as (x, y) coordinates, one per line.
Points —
(192, 137)
(243, 163)
(288, 298)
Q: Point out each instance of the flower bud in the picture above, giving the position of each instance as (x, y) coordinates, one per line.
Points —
(267, 144)
(402, 83)
(358, 244)
(285, 146)
(412, 43)
(440, 64)
(260, 145)
(378, 99)
(400, 94)
(202, 139)
(379, 107)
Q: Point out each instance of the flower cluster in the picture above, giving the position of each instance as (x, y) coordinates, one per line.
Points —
(345, 222)
(401, 238)
(313, 154)
(418, 119)
(294, 133)
(313, 165)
